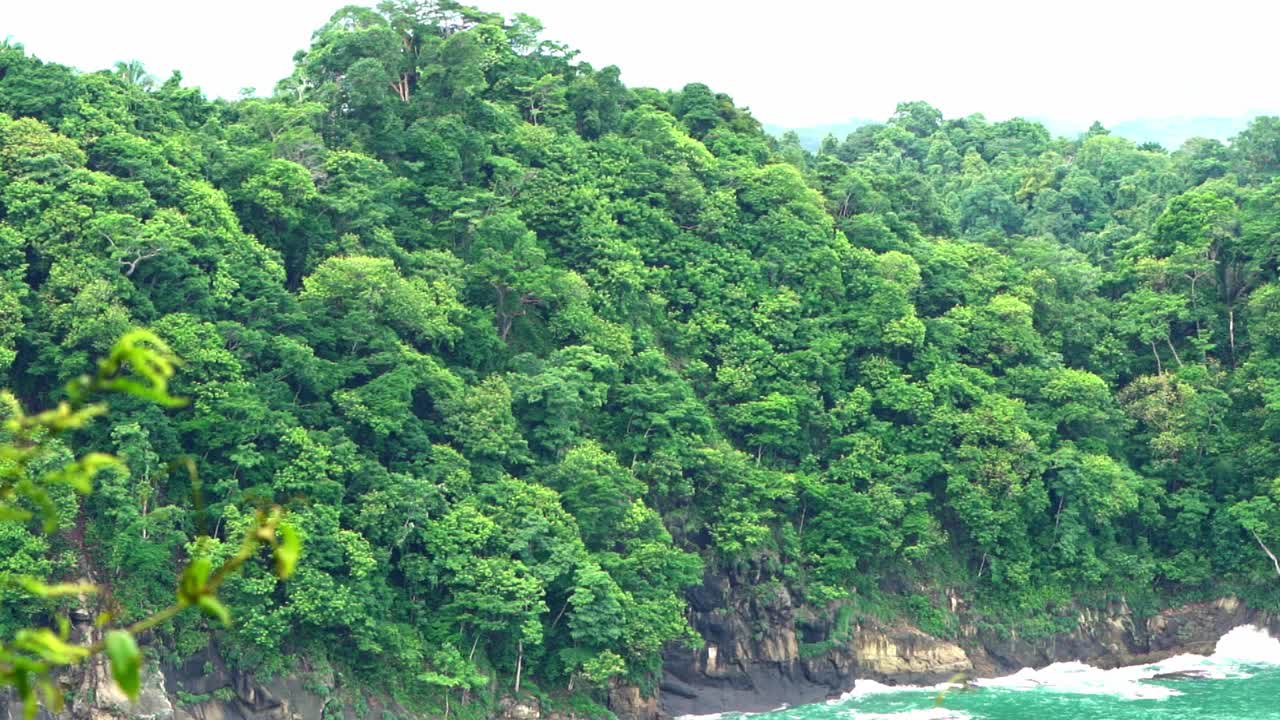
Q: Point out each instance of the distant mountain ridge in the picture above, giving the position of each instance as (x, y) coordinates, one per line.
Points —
(1170, 132)
(811, 137)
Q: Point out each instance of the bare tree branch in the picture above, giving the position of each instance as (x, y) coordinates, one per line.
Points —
(1267, 550)
(139, 256)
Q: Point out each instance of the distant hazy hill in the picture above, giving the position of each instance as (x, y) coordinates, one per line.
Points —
(1170, 132)
(811, 137)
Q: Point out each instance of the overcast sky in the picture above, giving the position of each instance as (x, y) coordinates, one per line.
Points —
(793, 62)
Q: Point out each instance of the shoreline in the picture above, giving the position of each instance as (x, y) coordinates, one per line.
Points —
(1243, 646)
(902, 657)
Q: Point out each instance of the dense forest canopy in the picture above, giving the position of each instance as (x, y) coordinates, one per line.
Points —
(525, 352)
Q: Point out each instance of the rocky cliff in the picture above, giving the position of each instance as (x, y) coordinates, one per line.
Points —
(753, 659)
(203, 688)
(761, 650)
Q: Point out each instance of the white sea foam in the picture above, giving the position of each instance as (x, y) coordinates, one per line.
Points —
(863, 688)
(1248, 645)
(924, 714)
(1196, 666)
(1244, 647)
(1076, 678)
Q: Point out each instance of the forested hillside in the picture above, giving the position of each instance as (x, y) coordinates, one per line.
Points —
(526, 352)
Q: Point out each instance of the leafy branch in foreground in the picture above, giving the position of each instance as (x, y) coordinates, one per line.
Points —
(140, 365)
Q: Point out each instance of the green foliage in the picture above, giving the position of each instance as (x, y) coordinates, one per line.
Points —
(841, 632)
(526, 353)
(126, 661)
(139, 365)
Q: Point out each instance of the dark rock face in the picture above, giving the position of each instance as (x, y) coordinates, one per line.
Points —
(626, 701)
(751, 661)
(522, 709)
(202, 688)
(1115, 637)
(235, 695)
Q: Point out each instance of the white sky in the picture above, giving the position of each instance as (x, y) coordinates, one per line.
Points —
(794, 62)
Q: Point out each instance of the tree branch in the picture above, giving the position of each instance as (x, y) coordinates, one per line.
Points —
(1266, 550)
(139, 255)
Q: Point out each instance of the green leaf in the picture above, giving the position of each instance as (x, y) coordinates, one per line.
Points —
(194, 577)
(35, 587)
(48, 646)
(79, 474)
(152, 365)
(287, 550)
(8, 513)
(126, 662)
(215, 609)
(26, 691)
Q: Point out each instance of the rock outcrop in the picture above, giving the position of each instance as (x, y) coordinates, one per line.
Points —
(906, 655)
(626, 701)
(753, 661)
(1115, 636)
(208, 690)
(761, 650)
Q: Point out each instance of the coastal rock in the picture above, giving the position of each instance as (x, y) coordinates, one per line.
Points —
(107, 702)
(1115, 637)
(906, 655)
(762, 649)
(629, 703)
(754, 631)
(751, 659)
(222, 693)
(524, 708)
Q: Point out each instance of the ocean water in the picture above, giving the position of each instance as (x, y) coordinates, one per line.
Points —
(1239, 681)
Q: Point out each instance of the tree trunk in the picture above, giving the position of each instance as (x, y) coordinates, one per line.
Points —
(519, 663)
(1159, 367)
(1173, 350)
(1267, 550)
(559, 615)
(1194, 310)
(1231, 330)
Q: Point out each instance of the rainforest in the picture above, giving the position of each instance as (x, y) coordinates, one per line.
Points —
(550, 372)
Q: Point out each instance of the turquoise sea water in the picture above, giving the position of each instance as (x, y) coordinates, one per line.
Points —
(1240, 681)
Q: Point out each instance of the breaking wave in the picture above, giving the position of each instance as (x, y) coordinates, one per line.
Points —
(863, 688)
(1248, 645)
(1244, 647)
(1238, 654)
